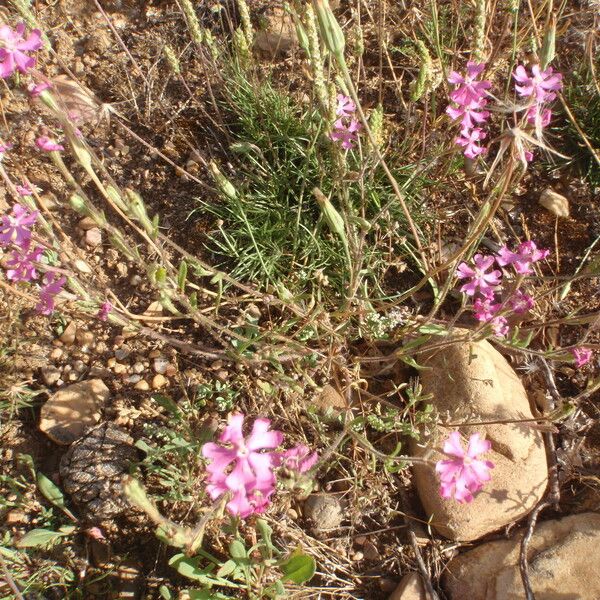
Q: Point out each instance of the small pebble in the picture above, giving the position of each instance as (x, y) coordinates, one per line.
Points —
(85, 338)
(218, 364)
(160, 365)
(79, 366)
(86, 223)
(171, 370)
(133, 379)
(135, 280)
(154, 354)
(111, 362)
(142, 385)
(73, 376)
(138, 367)
(68, 335)
(93, 237)
(159, 381)
(222, 375)
(119, 368)
(50, 375)
(56, 353)
(122, 352)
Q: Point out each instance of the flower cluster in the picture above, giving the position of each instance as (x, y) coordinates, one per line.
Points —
(539, 88)
(581, 356)
(15, 233)
(13, 49)
(245, 467)
(470, 99)
(463, 474)
(483, 283)
(346, 127)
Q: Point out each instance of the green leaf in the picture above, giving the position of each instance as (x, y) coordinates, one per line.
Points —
(165, 593)
(206, 595)
(39, 537)
(182, 276)
(167, 403)
(227, 568)
(266, 534)
(298, 567)
(237, 550)
(190, 567)
(52, 493)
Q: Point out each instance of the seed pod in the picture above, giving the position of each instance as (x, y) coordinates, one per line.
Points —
(224, 184)
(172, 59)
(331, 215)
(331, 32)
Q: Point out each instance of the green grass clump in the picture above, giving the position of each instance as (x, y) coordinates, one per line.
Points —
(271, 230)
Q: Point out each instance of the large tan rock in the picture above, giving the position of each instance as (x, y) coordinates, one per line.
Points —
(563, 556)
(411, 587)
(473, 382)
(68, 412)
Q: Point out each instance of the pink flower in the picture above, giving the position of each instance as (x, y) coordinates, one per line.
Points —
(526, 254)
(581, 356)
(464, 474)
(16, 229)
(27, 190)
(53, 284)
(36, 89)
(521, 302)
(469, 115)
(469, 91)
(12, 54)
(499, 326)
(105, 309)
(345, 106)
(468, 139)
(4, 148)
(242, 467)
(21, 266)
(48, 145)
(538, 116)
(485, 309)
(298, 459)
(541, 84)
(346, 134)
(480, 279)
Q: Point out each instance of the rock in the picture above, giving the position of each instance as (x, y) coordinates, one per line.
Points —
(159, 381)
(471, 382)
(82, 266)
(56, 353)
(411, 587)
(50, 375)
(330, 400)
(85, 337)
(564, 555)
(68, 335)
(142, 385)
(277, 34)
(160, 365)
(93, 237)
(324, 511)
(556, 203)
(86, 223)
(68, 412)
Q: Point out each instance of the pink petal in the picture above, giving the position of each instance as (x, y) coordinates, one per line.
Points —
(453, 445)
(232, 434)
(261, 437)
(477, 446)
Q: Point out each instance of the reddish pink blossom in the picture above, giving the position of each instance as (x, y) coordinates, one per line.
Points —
(53, 284)
(299, 458)
(4, 148)
(463, 474)
(22, 264)
(346, 134)
(470, 116)
(480, 279)
(241, 466)
(521, 302)
(48, 145)
(469, 139)
(542, 85)
(539, 116)
(104, 311)
(499, 326)
(345, 106)
(27, 190)
(526, 254)
(469, 91)
(16, 228)
(581, 356)
(36, 89)
(485, 309)
(13, 55)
